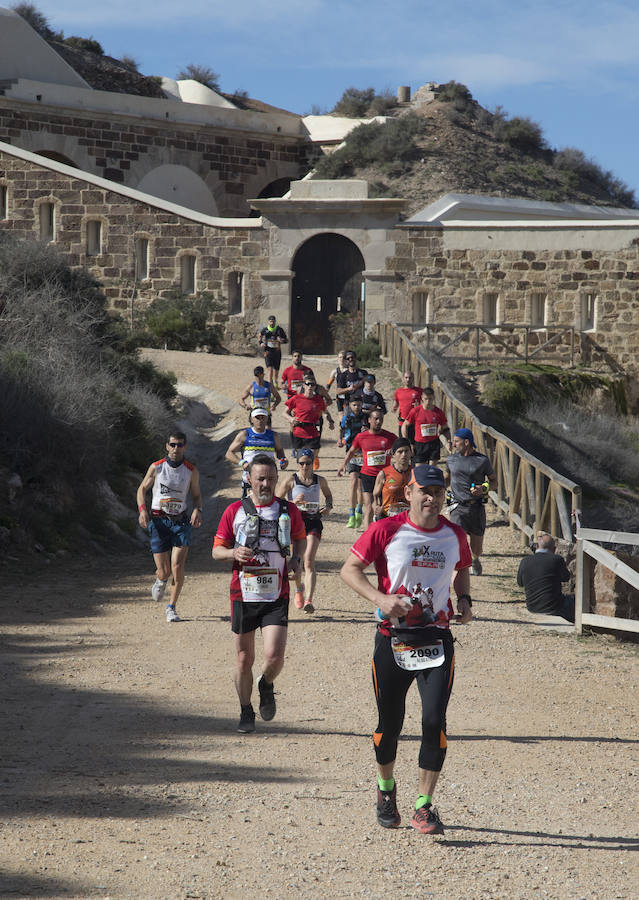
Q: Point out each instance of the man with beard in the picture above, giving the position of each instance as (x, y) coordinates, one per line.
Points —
(256, 535)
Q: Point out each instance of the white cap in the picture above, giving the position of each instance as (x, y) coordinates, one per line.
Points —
(259, 411)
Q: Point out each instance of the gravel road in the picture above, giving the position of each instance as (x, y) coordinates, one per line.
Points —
(123, 775)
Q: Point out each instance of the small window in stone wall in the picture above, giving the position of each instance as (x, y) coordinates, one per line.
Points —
(141, 259)
(236, 282)
(490, 309)
(588, 311)
(187, 274)
(420, 308)
(538, 309)
(94, 237)
(47, 221)
(4, 201)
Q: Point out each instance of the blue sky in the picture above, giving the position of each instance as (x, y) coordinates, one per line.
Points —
(573, 67)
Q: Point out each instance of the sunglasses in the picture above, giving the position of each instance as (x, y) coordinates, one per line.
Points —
(176, 443)
(310, 383)
(309, 462)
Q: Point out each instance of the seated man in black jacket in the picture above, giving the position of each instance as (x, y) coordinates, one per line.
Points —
(541, 575)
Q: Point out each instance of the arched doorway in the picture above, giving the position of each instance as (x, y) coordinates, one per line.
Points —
(328, 278)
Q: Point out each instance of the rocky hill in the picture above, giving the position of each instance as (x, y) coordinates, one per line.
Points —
(456, 145)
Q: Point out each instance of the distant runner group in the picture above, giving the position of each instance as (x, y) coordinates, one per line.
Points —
(272, 533)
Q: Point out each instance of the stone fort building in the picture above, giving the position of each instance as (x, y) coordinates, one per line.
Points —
(188, 191)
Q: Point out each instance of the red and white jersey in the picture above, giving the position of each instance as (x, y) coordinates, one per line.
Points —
(375, 448)
(417, 562)
(171, 487)
(267, 557)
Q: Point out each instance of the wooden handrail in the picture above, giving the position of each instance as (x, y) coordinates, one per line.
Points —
(532, 495)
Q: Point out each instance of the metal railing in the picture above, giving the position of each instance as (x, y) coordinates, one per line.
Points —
(533, 496)
(504, 340)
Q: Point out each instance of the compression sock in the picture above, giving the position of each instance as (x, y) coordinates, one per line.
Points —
(423, 800)
(359, 508)
(386, 784)
(352, 512)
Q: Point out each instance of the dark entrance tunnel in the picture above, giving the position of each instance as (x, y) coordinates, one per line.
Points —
(328, 278)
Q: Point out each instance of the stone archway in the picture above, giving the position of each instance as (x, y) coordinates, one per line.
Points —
(328, 277)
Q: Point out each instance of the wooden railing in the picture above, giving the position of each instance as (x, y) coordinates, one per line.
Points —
(589, 552)
(532, 495)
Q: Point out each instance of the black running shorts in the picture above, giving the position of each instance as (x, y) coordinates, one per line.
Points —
(246, 617)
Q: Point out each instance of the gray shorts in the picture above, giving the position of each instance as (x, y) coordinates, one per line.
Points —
(471, 517)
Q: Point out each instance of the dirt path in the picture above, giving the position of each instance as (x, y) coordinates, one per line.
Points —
(123, 775)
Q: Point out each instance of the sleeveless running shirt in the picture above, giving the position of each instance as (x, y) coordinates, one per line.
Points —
(171, 487)
(306, 496)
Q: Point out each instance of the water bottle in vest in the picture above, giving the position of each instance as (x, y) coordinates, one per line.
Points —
(284, 533)
(249, 532)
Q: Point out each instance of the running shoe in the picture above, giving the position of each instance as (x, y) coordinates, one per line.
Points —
(298, 600)
(358, 519)
(387, 813)
(316, 464)
(308, 607)
(351, 522)
(171, 615)
(267, 699)
(247, 720)
(426, 820)
(476, 568)
(158, 589)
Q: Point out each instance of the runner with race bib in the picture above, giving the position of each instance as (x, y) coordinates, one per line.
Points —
(374, 446)
(416, 555)
(264, 538)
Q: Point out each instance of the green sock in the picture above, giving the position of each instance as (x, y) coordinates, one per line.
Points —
(423, 800)
(386, 784)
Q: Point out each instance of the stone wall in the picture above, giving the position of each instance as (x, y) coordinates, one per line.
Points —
(236, 165)
(458, 282)
(220, 252)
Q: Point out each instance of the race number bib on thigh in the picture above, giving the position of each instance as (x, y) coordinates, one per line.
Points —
(412, 659)
(259, 584)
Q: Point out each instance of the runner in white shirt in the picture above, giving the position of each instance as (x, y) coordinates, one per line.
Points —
(416, 554)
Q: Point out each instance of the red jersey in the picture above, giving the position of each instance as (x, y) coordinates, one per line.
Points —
(294, 378)
(246, 584)
(375, 448)
(427, 423)
(417, 562)
(307, 410)
(406, 398)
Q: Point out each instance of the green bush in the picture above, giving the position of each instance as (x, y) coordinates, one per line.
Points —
(77, 407)
(368, 353)
(504, 393)
(379, 144)
(524, 134)
(81, 43)
(577, 166)
(204, 74)
(178, 322)
(453, 90)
